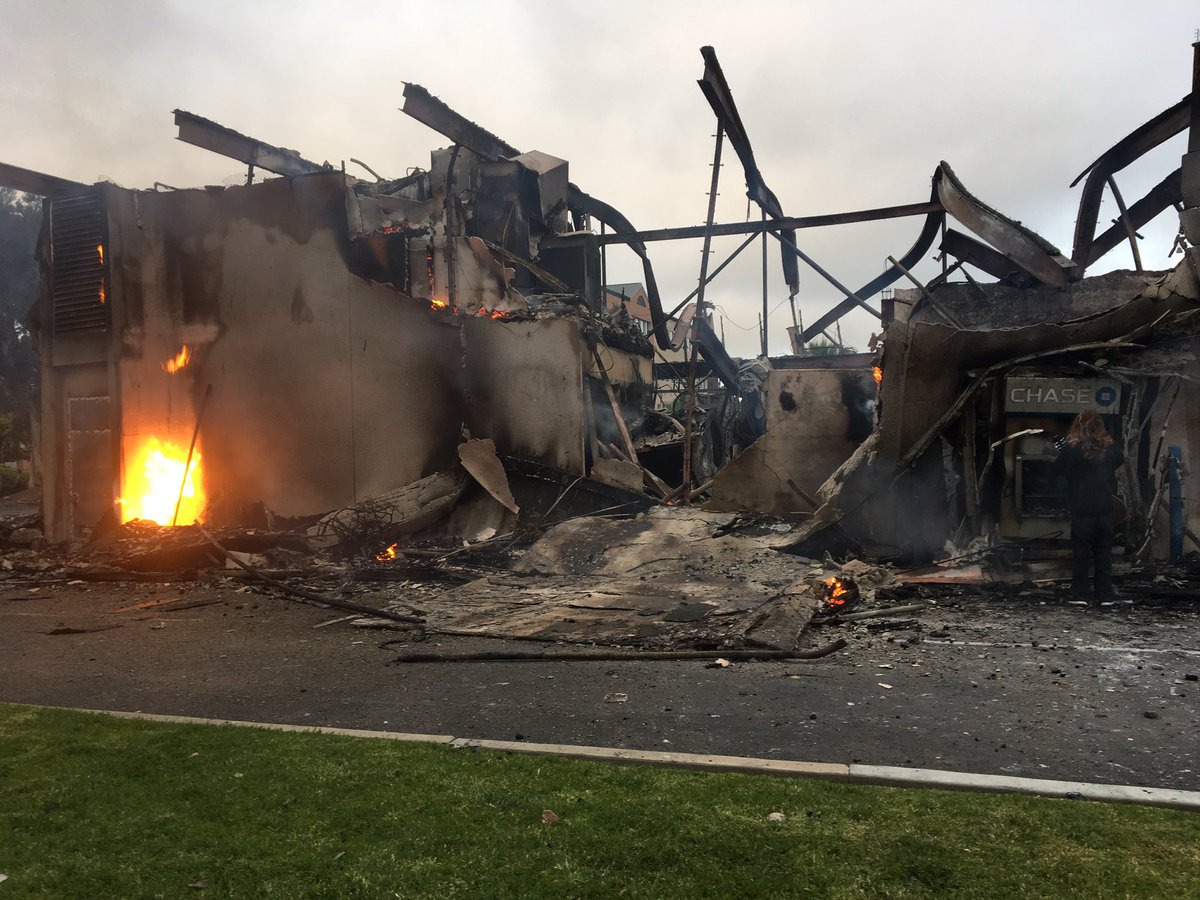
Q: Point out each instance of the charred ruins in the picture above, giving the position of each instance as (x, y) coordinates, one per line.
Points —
(421, 367)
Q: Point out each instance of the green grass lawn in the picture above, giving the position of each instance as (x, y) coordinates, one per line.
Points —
(92, 807)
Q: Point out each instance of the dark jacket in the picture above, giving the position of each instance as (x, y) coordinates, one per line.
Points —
(1090, 483)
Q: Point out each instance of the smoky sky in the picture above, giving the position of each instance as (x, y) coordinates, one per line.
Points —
(848, 106)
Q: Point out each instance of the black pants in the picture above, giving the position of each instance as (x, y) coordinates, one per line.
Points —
(1091, 541)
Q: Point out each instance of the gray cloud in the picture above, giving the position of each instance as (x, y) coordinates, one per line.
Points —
(848, 105)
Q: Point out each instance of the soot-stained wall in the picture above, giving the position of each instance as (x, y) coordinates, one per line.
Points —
(315, 387)
(325, 388)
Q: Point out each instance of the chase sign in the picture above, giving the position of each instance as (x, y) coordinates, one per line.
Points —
(1062, 396)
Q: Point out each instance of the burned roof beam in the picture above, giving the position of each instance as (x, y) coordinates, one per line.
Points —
(933, 221)
(580, 202)
(1029, 250)
(429, 110)
(980, 255)
(1164, 194)
(212, 136)
(38, 183)
(785, 224)
(1142, 139)
(720, 98)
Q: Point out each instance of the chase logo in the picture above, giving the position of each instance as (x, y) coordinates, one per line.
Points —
(1106, 396)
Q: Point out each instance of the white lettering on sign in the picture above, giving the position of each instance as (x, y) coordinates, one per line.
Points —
(1066, 395)
(1061, 396)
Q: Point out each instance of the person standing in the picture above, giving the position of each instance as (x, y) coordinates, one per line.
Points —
(1088, 464)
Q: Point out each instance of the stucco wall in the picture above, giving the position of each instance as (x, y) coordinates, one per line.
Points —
(525, 388)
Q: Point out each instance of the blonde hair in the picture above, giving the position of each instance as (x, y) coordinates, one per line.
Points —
(1089, 434)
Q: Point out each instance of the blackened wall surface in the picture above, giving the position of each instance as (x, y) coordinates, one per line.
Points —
(325, 387)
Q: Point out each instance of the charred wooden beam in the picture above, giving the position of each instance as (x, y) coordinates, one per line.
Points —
(213, 136)
(429, 110)
(39, 183)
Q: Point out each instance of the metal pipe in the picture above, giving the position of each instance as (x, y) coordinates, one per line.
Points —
(720, 230)
(764, 285)
(691, 379)
(1129, 229)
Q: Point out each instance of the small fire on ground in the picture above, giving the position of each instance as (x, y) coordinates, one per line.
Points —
(840, 593)
(386, 555)
(155, 472)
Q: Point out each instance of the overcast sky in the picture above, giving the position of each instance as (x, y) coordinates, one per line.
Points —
(848, 105)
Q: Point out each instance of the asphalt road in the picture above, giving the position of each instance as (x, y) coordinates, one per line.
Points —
(991, 685)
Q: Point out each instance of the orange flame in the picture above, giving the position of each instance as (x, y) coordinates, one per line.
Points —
(153, 474)
(439, 304)
(877, 373)
(494, 313)
(385, 555)
(171, 366)
(837, 592)
(100, 253)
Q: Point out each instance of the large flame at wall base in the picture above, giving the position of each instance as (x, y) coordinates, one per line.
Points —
(153, 474)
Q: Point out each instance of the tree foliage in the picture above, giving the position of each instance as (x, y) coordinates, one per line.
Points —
(824, 347)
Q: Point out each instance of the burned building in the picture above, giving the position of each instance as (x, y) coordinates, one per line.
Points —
(300, 343)
(291, 346)
(979, 381)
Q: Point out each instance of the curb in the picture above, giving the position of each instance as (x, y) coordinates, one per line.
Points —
(887, 776)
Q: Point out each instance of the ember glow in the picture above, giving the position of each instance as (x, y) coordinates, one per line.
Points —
(838, 592)
(494, 313)
(154, 472)
(385, 555)
(100, 253)
(877, 373)
(171, 366)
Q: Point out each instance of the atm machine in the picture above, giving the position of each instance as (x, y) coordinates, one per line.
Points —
(1031, 506)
